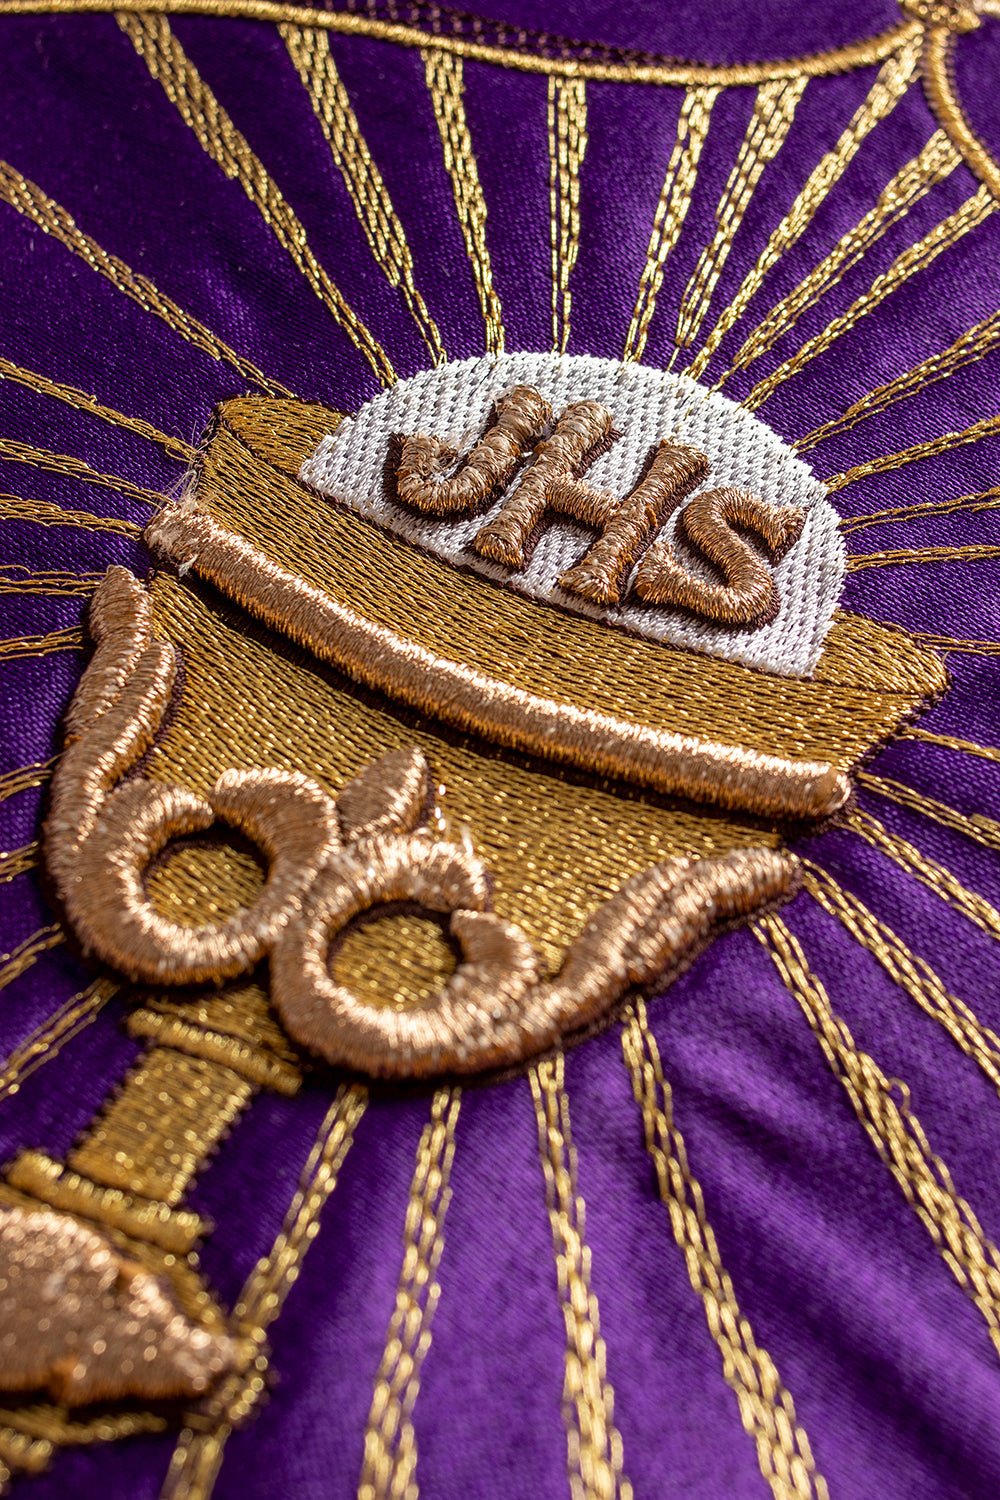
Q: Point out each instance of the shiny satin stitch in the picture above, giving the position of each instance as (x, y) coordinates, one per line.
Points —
(330, 863)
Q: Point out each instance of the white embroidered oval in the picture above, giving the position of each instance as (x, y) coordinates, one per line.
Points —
(454, 402)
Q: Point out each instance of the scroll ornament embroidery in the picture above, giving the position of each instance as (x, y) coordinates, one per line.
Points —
(330, 861)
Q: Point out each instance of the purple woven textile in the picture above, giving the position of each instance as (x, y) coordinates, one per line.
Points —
(893, 1364)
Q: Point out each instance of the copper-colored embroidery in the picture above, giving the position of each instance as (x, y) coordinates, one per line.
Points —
(59, 1186)
(600, 575)
(749, 596)
(520, 417)
(550, 484)
(86, 1324)
(684, 765)
(491, 1012)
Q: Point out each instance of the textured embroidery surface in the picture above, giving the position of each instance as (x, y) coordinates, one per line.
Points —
(509, 511)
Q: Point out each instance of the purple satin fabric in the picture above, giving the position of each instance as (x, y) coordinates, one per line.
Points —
(890, 1365)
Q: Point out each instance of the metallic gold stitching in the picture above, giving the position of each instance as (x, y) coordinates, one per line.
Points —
(446, 85)
(987, 427)
(52, 218)
(200, 110)
(894, 78)
(198, 1456)
(75, 468)
(20, 959)
(966, 350)
(983, 500)
(931, 166)
(83, 401)
(671, 209)
(310, 52)
(594, 1442)
(567, 122)
(773, 113)
(917, 258)
(766, 1408)
(941, 881)
(906, 556)
(388, 1471)
(44, 513)
(894, 1131)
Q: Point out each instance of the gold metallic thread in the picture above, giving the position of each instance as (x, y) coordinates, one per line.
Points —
(15, 578)
(894, 78)
(982, 500)
(567, 133)
(766, 1408)
(913, 974)
(74, 468)
(389, 1466)
(949, 742)
(23, 778)
(969, 347)
(931, 166)
(886, 463)
(940, 91)
(859, 54)
(446, 85)
(773, 113)
(309, 50)
(44, 513)
(594, 1443)
(935, 876)
(19, 646)
(227, 146)
(671, 209)
(84, 401)
(917, 258)
(975, 826)
(29, 199)
(908, 556)
(51, 1035)
(86, 1324)
(198, 1455)
(20, 959)
(882, 1106)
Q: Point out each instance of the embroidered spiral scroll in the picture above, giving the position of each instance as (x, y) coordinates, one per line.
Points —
(331, 861)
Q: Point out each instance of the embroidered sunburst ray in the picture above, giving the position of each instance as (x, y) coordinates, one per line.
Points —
(389, 1448)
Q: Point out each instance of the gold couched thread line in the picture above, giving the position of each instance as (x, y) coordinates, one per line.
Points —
(969, 215)
(913, 974)
(17, 647)
(911, 556)
(975, 826)
(388, 1470)
(933, 163)
(728, 775)
(935, 876)
(973, 345)
(671, 210)
(309, 49)
(894, 78)
(986, 427)
(773, 113)
(767, 1411)
(51, 1035)
(29, 199)
(567, 139)
(44, 513)
(84, 401)
(894, 1131)
(198, 1456)
(982, 500)
(74, 468)
(859, 54)
(949, 742)
(20, 959)
(229, 149)
(594, 1444)
(446, 86)
(54, 585)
